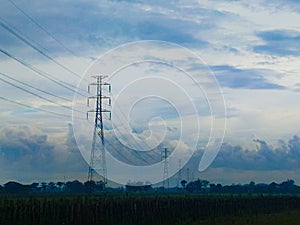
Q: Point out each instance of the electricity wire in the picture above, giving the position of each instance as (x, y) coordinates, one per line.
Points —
(42, 28)
(39, 96)
(36, 108)
(44, 74)
(35, 88)
(8, 28)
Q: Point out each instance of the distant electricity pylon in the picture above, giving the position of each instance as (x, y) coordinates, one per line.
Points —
(188, 174)
(165, 155)
(98, 159)
(179, 173)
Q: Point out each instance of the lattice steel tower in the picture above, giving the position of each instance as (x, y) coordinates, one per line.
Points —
(179, 173)
(165, 155)
(98, 158)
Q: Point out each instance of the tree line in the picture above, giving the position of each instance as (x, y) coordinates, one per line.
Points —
(197, 186)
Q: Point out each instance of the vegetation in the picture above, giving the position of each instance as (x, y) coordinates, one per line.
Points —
(196, 202)
(197, 186)
(141, 209)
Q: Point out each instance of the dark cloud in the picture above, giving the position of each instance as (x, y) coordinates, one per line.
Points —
(279, 43)
(229, 76)
(20, 143)
(285, 156)
(27, 152)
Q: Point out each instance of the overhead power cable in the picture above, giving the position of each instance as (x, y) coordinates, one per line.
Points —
(36, 108)
(8, 28)
(35, 88)
(39, 96)
(38, 89)
(42, 28)
(59, 82)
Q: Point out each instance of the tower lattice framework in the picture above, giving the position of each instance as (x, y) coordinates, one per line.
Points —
(98, 158)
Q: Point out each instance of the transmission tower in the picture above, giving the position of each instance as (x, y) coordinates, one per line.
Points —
(179, 172)
(98, 158)
(188, 174)
(165, 154)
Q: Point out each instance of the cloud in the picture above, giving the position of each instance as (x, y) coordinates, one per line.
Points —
(284, 156)
(225, 34)
(110, 23)
(84, 26)
(17, 144)
(292, 5)
(27, 153)
(232, 77)
(279, 43)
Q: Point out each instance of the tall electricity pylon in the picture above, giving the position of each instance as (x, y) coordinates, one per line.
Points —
(98, 158)
(165, 155)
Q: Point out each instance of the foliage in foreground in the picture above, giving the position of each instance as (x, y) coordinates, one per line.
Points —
(144, 209)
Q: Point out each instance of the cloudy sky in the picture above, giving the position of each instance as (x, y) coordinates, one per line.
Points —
(252, 48)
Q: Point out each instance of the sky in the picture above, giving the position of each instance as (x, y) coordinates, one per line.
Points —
(251, 48)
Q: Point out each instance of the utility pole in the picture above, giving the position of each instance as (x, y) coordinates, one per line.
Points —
(165, 155)
(98, 158)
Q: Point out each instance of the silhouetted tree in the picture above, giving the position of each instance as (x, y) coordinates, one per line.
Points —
(61, 186)
(74, 187)
(215, 188)
(34, 187)
(15, 187)
(183, 183)
(90, 186)
(196, 186)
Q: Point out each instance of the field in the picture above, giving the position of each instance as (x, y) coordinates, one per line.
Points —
(155, 209)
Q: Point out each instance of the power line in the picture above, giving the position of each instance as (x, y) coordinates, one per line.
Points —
(44, 74)
(165, 155)
(42, 28)
(39, 96)
(124, 116)
(35, 88)
(6, 27)
(117, 151)
(31, 107)
(136, 143)
(120, 152)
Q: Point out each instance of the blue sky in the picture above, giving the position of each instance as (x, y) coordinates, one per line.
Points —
(252, 47)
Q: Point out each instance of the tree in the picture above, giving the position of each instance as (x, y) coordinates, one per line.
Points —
(287, 186)
(197, 185)
(60, 185)
(183, 183)
(51, 186)
(90, 186)
(74, 187)
(14, 187)
(34, 187)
